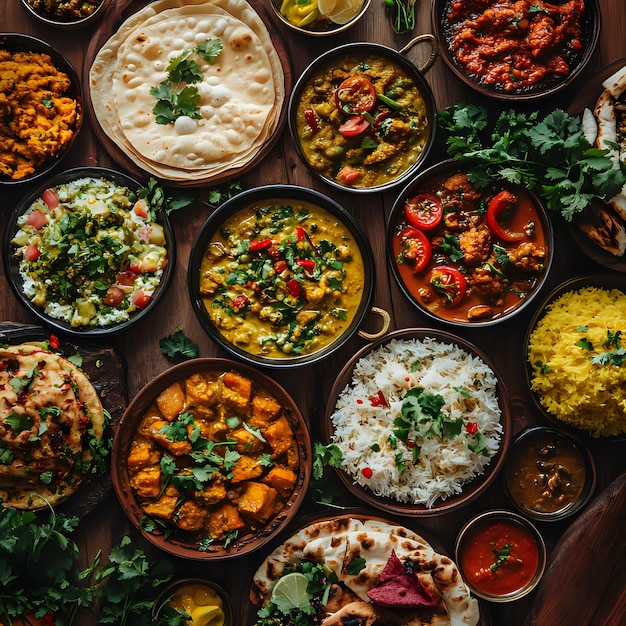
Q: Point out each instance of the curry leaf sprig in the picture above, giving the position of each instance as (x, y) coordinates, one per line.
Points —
(174, 100)
(549, 154)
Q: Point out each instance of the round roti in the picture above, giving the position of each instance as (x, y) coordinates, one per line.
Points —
(46, 406)
(336, 543)
(242, 93)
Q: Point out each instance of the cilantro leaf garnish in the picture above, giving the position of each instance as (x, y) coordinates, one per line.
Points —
(19, 422)
(174, 100)
(501, 556)
(325, 455)
(178, 344)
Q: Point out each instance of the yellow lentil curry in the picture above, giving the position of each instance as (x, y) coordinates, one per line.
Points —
(362, 122)
(282, 278)
(37, 117)
(213, 459)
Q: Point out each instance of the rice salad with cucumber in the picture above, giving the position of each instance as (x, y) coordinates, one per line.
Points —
(90, 252)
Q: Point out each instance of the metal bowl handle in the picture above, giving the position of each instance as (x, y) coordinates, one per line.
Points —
(386, 318)
(434, 49)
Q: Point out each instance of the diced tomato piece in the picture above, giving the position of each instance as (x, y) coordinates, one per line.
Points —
(51, 199)
(37, 219)
(240, 301)
(32, 253)
(280, 266)
(348, 174)
(114, 296)
(424, 211)
(140, 299)
(141, 208)
(353, 126)
(126, 278)
(135, 266)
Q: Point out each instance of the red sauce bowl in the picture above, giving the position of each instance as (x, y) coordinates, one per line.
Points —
(501, 555)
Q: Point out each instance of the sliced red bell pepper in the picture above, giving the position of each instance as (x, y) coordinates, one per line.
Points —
(501, 202)
(259, 244)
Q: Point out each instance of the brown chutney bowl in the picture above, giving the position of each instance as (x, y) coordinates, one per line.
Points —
(589, 35)
(191, 546)
(472, 488)
(363, 50)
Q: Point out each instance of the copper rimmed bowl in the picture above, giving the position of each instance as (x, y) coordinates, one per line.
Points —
(225, 474)
(392, 450)
(503, 77)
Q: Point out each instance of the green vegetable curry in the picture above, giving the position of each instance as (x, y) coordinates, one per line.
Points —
(282, 278)
(362, 121)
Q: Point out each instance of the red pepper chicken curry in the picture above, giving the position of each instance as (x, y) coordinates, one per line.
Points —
(515, 45)
(213, 459)
(467, 254)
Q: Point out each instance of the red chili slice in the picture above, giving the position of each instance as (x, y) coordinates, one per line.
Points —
(259, 244)
(356, 94)
(450, 282)
(293, 287)
(354, 126)
(501, 202)
(416, 248)
(306, 264)
(311, 119)
(378, 399)
(424, 211)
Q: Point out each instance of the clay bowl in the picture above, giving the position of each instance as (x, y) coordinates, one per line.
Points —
(577, 59)
(14, 43)
(55, 320)
(382, 407)
(197, 543)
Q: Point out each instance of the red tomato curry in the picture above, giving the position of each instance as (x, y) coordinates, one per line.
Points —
(515, 45)
(469, 255)
(499, 557)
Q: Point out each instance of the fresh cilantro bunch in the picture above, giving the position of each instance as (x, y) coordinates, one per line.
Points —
(549, 154)
(38, 567)
(174, 100)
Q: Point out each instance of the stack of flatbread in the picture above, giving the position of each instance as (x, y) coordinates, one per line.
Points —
(47, 408)
(605, 128)
(241, 94)
(336, 543)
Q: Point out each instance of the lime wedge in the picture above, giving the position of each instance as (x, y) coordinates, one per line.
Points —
(325, 7)
(290, 592)
(344, 11)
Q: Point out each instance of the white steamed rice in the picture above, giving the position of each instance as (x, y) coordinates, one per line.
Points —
(443, 466)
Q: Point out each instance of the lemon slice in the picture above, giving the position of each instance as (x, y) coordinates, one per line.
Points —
(290, 592)
(326, 7)
(207, 616)
(344, 11)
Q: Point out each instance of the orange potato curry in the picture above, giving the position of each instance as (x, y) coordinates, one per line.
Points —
(213, 459)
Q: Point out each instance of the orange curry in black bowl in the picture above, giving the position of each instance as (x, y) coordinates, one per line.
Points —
(464, 254)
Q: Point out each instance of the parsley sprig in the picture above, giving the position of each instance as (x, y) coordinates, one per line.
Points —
(178, 96)
(549, 154)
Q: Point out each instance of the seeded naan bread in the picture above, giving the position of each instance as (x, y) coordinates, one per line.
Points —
(46, 406)
(336, 543)
(242, 92)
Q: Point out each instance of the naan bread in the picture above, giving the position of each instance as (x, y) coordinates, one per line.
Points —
(242, 93)
(337, 542)
(604, 228)
(46, 403)
(615, 84)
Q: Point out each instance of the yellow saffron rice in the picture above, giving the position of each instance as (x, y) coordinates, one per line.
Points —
(578, 328)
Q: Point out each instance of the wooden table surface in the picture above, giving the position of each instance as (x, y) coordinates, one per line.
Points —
(310, 385)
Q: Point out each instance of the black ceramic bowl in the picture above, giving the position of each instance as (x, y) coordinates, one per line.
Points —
(270, 195)
(444, 29)
(362, 50)
(581, 403)
(416, 284)
(16, 280)
(549, 474)
(188, 545)
(362, 413)
(65, 21)
(13, 43)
